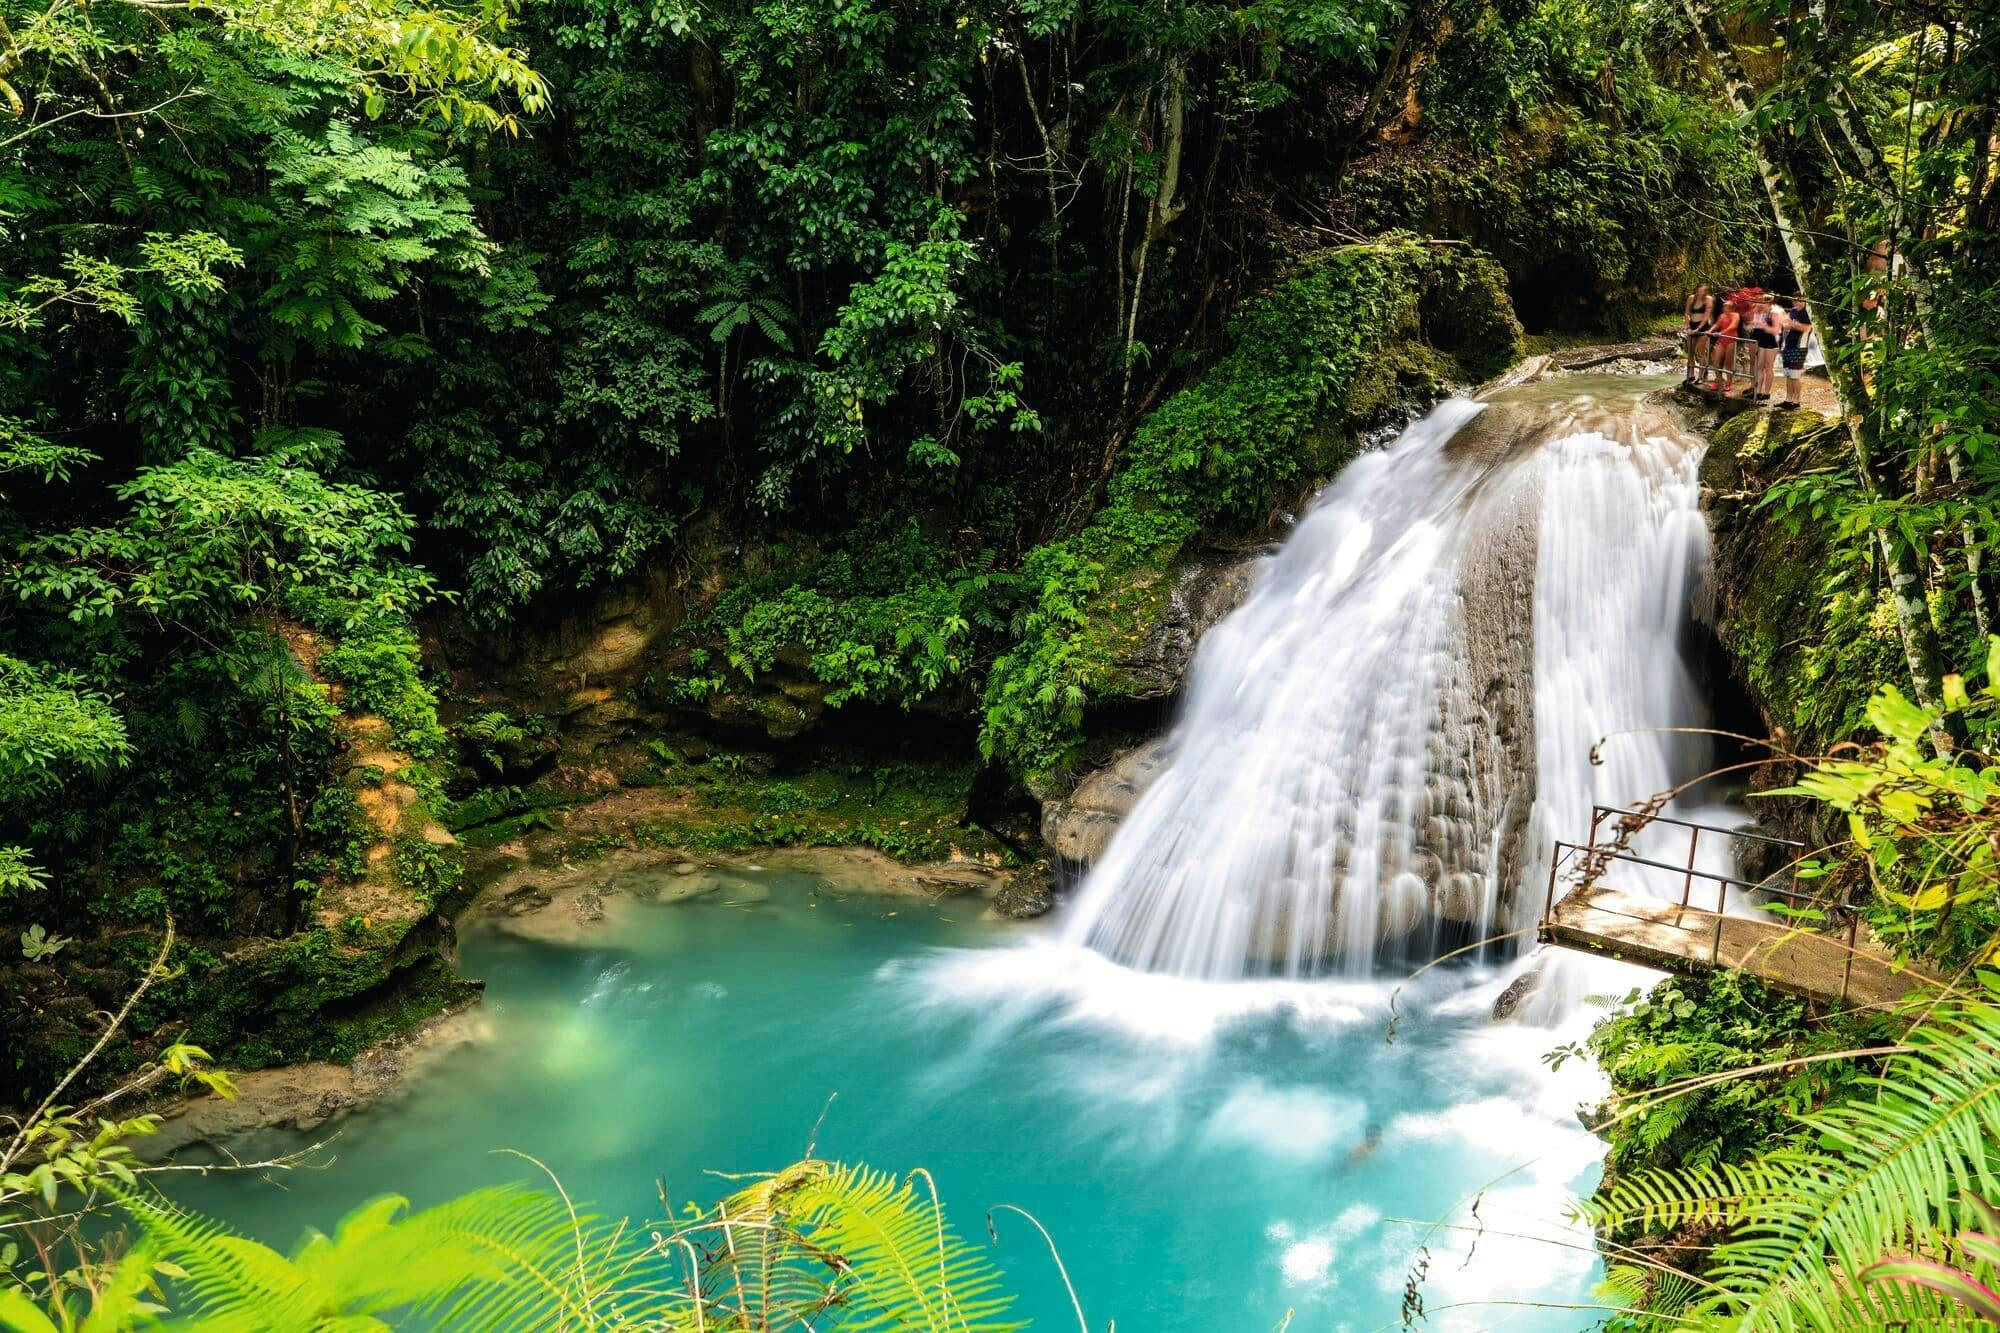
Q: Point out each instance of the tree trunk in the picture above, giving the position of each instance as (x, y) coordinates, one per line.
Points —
(1819, 269)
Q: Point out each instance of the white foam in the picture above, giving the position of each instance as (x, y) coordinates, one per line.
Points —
(1294, 1124)
(1068, 985)
(1306, 1256)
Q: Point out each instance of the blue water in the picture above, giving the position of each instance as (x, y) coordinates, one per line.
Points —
(1201, 1152)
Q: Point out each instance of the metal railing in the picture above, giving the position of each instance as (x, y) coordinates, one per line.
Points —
(1707, 360)
(1594, 859)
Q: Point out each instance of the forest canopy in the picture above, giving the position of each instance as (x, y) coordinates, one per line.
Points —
(318, 317)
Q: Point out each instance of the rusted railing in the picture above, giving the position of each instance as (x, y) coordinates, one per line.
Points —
(1596, 859)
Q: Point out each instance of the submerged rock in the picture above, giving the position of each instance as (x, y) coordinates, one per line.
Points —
(1028, 893)
(1508, 1003)
(528, 898)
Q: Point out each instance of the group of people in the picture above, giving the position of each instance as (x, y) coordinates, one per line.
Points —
(1774, 329)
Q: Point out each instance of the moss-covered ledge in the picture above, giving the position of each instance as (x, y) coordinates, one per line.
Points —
(1804, 625)
(1354, 339)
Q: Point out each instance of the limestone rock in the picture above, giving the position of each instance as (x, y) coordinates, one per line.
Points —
(1028, 893)
(616, 646)
(1078, 827)
(1206, 590)
(1519, 989)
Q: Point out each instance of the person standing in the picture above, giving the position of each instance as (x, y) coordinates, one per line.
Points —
(1764, 333)
(1699, 312)
(1797, 327)
(1723, 334)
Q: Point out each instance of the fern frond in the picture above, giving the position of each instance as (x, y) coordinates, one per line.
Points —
(1887, 1174)
(504, 1258)
(908, 1269)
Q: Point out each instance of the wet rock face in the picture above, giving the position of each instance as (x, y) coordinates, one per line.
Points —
(1028, 893)
(1478, 785)
(1508, 1003)
(1208, 589)
(1078, 827)
(1484, 749)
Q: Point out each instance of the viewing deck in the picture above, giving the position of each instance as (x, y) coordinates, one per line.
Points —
(1672, 934)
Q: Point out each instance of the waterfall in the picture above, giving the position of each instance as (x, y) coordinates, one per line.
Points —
(1375, 752)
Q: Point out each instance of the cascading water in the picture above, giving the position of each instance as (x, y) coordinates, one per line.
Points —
(1376, 750)
(1382, 740)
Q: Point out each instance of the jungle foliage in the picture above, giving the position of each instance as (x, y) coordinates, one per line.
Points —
(1876, 127)
(321, 322)
(1861, 570)
(1870, 1212)
(1843, 1162)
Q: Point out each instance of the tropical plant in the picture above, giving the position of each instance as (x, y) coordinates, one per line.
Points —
(1923, 820)
(1965, 1274)
(816, 1245)
(1818, 1232)
(1698, 1030)
(62, 1166)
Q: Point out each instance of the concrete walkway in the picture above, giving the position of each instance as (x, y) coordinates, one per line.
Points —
(1659, 933)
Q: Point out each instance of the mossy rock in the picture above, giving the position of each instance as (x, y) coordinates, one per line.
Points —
(1807, 630)
(1754, 448)
(320, 995)
(1467, 312)
(1028, 893)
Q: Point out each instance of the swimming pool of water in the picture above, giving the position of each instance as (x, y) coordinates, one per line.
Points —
(1208, 1156)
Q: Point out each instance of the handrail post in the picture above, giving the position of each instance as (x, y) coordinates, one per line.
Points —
(1715, 949)
(1549, 901)
(1687, 884)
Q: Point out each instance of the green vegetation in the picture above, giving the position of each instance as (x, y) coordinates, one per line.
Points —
(1808, 626)
(884, 613)
(1689, 1029)
(912, 811)
(820, 1243)
(900, 358)
(1858, 1217)
(1841, 1160)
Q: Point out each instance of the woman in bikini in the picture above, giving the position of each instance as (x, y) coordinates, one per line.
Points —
(1763, 352)
(1723, 334)
(1700, 313)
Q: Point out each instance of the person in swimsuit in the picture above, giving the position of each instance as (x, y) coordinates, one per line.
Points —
(1723, 335)
(1764, 329)
(1797, 324)
(1700, 313)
